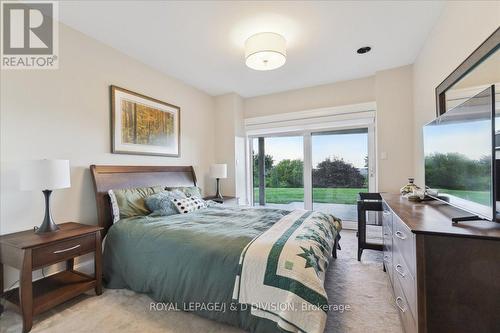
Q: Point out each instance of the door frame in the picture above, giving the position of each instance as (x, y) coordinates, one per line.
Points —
(307, 158)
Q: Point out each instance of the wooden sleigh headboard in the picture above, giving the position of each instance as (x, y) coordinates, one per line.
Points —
(110, 177)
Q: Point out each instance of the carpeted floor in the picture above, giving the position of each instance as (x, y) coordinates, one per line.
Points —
(360, 285)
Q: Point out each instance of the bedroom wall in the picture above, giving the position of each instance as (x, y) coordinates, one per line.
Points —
(65, 114)
(462, 27)
(230, 144)
(335, 94)
(390, 89)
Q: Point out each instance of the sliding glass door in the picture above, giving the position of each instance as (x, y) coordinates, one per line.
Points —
(278, 172)
(339, 171)
(319, 170)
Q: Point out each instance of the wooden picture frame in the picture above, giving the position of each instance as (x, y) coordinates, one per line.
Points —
(142, 125)
(487, 48)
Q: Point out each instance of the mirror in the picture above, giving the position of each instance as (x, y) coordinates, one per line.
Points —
(479, 71)
(485, 74)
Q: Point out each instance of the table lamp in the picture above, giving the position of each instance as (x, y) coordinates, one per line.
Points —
(218, 171)
(45, 176)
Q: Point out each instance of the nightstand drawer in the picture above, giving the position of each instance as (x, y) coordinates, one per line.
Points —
(63, 250)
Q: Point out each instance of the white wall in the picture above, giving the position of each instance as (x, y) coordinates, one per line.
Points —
(462, 27)
(65, 114)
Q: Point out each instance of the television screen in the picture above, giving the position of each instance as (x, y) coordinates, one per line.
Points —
(458, 149)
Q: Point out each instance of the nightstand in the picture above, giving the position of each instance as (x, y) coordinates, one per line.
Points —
(28, 251)
(228, 201)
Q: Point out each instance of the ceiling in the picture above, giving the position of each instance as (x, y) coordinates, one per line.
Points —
(202, 43)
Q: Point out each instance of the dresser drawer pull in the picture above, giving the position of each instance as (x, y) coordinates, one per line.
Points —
(386, 212)
(400, 299)
(397, 268)
(68, 249)
(386, 258)
(400, 235)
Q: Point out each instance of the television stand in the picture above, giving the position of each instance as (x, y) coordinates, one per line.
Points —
(455, 220)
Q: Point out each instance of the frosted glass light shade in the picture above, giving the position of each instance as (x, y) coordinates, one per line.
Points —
(218, 170)
(265, 51)
(45, 175)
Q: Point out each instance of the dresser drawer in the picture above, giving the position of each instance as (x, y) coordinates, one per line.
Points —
(406, 281)
(63, 250)
(409, 323)
(404, 243)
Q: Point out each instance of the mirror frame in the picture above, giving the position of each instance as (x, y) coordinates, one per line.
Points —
(488, 47)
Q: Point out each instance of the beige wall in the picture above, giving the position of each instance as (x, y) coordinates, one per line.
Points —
(228, 133)
(462, 27)
(341, 93)
(391, 90)
(65, 114)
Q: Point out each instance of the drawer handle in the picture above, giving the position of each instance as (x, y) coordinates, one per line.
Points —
(400, 235)
(386, 212)
(68, 249)
(400, 299)
(386, 258)
(398, 266)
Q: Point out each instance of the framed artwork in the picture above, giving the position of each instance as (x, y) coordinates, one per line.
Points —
(143, 125)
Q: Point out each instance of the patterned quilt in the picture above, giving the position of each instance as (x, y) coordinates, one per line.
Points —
(282, 271)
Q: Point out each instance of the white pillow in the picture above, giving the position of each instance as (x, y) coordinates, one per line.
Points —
(188, 205)
(115, 210)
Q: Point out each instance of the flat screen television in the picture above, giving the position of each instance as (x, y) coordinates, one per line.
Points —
(459, 156)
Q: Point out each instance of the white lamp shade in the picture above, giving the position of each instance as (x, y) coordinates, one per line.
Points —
(265, 51)
(218, 170)
(45, 175)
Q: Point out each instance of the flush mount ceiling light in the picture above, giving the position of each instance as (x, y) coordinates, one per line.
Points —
(265, 51)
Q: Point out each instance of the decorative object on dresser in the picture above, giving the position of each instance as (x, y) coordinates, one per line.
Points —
(218, 171)
(45, 176)
(27, 251)
(227, 201)
(143, 125)
(444, 277)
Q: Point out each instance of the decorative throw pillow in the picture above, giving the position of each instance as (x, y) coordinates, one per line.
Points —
(188, 205)
(161, 203)
(130, 202)
(189, 191)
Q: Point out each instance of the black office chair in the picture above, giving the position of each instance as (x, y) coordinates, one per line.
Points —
(367, 202)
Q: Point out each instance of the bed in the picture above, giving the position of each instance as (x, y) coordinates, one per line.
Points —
(255, 268)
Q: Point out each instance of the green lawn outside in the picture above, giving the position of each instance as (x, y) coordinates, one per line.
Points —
(320, 195)
(482, 197)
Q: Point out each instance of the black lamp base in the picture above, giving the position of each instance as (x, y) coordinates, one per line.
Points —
(218, 195)
(48, 224)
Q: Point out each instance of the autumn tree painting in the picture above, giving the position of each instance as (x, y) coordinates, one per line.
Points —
(145, 125)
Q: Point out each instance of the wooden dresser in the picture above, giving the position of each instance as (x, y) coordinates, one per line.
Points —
(445, 278)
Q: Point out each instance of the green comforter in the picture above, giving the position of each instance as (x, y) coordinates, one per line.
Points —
(188, 261)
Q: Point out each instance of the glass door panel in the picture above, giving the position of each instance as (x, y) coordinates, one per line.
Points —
(278, 172)
(339, 171)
